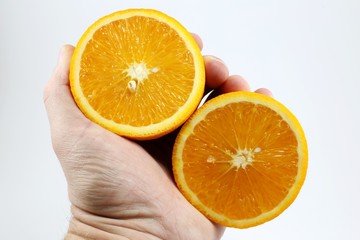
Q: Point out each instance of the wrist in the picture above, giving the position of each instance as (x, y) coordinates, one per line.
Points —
(81, 231)
(85, 225)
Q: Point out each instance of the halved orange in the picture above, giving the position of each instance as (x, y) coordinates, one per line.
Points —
(138, 73)
(241, 159)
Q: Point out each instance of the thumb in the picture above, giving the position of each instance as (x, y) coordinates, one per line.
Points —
(62, 111)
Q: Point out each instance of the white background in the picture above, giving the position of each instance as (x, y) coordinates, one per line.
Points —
(307, 52)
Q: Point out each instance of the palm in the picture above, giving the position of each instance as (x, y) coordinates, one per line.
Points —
(117, 178)
(114, 173)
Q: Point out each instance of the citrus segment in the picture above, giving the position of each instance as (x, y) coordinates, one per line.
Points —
(138, 73)
(241, 159)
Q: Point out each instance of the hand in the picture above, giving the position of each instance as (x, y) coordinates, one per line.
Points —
(122, 189)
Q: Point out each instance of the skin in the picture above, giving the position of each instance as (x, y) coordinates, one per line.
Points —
(118, 188)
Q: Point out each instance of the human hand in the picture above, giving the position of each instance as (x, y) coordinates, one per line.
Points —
(118, 188)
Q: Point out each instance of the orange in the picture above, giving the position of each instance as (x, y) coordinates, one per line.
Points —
(138, 73)
(241, 159)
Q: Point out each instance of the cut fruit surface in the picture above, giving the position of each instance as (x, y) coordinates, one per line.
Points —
(241, 159)
(138, 73)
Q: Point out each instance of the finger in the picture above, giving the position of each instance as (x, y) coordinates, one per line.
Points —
(198, 40)
(264, 91)
(216, 72)
(59, 103)
(234, 83)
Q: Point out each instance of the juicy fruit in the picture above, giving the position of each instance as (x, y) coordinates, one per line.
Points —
(241, 159)
(138, 73)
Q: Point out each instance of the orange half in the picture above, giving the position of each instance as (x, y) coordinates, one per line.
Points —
(138, 73)
(241, 159)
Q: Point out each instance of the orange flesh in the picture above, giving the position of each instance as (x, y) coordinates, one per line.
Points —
(254, 188)
(116, 47)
